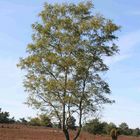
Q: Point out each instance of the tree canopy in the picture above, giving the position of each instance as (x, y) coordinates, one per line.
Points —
(65, 62)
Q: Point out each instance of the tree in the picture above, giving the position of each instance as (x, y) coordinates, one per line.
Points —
(41, 120)
(4, 117)
(45, 120)
(94, 126)
(109, 127)
(65, 62)
(124, 129)
(105, 127)
(136, 132)
(34, 121)
(22, 121)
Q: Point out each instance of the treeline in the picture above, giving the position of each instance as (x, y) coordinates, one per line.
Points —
(39, 120)
(5, 117)
(95, 126)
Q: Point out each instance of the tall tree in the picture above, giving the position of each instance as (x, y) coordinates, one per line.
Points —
(65, 61)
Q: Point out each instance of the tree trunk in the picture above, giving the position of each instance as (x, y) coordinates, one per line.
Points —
(66, 134)
(80, 115)
(80, 123)
(65, 131)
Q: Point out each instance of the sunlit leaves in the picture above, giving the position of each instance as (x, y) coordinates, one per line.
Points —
(66, 58)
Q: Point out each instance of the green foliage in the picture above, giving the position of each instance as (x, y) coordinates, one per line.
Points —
(41, 120)
(95, 127)
(4, 117)
(104, 127)
(136, 132)
(110, 127)
(45, 120)
(22, 121)
(65, 60)
(35, 121)
(124, 129)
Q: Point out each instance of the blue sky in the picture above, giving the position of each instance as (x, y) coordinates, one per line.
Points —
(124, 74)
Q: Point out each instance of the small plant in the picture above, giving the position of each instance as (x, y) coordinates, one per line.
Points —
(114, 134)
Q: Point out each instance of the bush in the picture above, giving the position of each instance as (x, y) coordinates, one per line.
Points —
(95, 127)
(41, 120)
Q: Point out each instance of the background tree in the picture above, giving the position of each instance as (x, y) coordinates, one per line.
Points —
(94, 126)
(5, 117)
(124, 129)
(41, 120)
(22, 121)
(136, 132)
(34, 121)
(109, 127)
(105, 127)
(65, 62)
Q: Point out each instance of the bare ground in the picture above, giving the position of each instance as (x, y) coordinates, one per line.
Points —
(22, 132)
